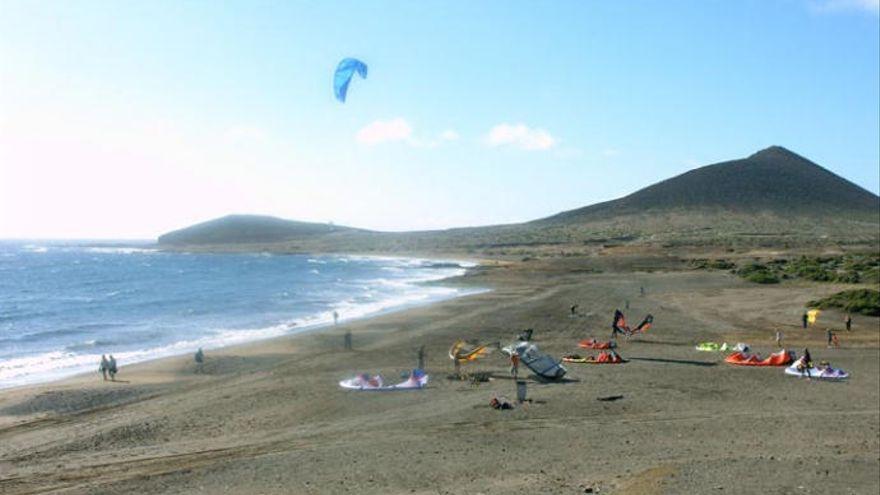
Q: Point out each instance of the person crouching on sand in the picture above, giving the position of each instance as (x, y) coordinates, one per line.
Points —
(111, 368)
(104, 367)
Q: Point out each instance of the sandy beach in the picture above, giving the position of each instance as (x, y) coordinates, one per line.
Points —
(269, 417)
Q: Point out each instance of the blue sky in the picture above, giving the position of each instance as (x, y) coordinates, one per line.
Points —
(127, 119)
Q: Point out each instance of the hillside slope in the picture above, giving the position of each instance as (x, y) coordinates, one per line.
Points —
(774, 180)
(247, 229)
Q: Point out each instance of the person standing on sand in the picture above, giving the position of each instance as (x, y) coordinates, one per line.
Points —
(848, 322)
(200, 360)
(514, 365)
(778, 338)
(806, 363)
(104, 367)
(336, 317)
(421, 357)
(805, 319)
(112, 368)
(642, 290)
(574, 309)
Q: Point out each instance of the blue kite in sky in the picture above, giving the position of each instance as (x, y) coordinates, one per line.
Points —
(344, 72)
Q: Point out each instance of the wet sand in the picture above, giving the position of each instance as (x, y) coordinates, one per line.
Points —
(269, 417)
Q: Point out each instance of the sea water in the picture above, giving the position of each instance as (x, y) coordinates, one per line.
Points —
(63, 305)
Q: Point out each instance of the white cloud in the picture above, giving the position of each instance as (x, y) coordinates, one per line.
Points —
(384, 131)
(609, 152)
(449, 135)
(520, 136)
(870, 6)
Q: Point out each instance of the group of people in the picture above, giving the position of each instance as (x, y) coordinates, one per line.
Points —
(108, 367)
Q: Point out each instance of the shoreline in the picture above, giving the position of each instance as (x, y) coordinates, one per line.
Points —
(313, 323)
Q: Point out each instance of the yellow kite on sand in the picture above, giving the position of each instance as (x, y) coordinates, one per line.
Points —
(461, 351)
(812, 315)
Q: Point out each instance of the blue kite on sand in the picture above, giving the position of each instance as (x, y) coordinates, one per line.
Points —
(344, 72)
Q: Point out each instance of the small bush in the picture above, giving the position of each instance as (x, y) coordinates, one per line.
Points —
(758, 273)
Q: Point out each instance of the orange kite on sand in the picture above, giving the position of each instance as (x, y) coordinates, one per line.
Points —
(781, 358)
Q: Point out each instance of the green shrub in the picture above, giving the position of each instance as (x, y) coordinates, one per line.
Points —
(758, 273)
(762, 278)
(864, 301)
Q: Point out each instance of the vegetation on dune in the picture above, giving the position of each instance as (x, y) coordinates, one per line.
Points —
(864, 301)
(758, 273)
(845, 269)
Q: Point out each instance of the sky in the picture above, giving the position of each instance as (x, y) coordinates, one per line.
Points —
(124, 120)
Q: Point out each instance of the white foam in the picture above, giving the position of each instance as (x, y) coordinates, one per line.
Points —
(407, 292)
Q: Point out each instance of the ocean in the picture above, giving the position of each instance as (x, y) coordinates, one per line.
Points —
(64, 304)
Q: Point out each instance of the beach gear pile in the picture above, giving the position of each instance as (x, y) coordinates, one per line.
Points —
(781, 358)
(541, 364)
(602, 358)
(417, 380)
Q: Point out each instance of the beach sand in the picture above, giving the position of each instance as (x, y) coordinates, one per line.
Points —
(268, 417)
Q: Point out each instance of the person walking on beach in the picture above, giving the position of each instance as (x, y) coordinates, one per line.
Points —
(805, 319)
(200, 360)
(112, 369)
(346, 340)
(104, 367)
(848, 322)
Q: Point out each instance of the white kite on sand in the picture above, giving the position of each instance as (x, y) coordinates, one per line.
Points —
(417, 380)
